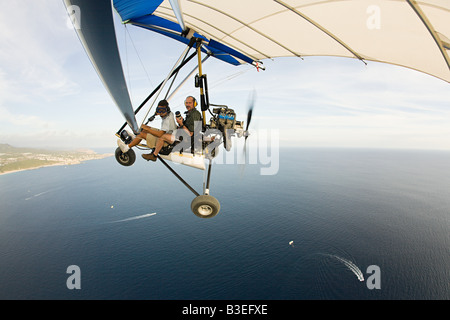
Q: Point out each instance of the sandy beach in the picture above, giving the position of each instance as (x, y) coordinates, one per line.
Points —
(63, 163)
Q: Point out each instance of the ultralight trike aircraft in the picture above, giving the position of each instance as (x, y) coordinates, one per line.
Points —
(409, 33)
(222, 126)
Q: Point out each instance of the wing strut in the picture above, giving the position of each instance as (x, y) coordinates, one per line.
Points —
(180, 59)
(204, 102)
(185, 79)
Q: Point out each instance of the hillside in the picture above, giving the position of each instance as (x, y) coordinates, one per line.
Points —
(17, 159)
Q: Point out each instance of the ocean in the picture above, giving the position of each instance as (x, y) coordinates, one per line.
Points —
(332, 224)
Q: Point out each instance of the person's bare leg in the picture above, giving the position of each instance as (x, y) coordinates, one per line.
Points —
(160, 143)
(153, 131)
(137, 140)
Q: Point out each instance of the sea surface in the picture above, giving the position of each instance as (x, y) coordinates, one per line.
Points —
(316, 230)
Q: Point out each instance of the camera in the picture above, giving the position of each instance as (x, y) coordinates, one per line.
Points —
(126, 137)
(178, 115)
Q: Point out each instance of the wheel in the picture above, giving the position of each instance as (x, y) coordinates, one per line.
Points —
(126, 159)
(205, 206)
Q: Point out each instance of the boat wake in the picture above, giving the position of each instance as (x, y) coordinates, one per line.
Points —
(37, 195)
(135, 218)
(350, 265)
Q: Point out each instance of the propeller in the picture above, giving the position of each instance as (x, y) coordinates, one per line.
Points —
(249, 118)
(251, 105)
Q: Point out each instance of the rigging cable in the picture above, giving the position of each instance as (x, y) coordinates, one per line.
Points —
(175, 76)
(137, 54)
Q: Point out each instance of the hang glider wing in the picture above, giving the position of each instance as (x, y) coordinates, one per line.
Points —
(95, 29)
(410, 33)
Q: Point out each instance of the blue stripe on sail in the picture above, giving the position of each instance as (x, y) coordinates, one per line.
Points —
(221, 47)
(140, 13)
(219, 54)
(132, 9)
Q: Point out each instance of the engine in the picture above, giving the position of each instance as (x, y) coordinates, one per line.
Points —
(224, 119)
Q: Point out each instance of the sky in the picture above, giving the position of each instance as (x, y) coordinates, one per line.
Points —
(51, 97)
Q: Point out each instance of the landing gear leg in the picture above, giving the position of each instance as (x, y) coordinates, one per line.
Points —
(203, 206)
(206, 206)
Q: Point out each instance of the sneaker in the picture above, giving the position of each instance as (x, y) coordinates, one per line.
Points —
(149, 156)
(124, 147)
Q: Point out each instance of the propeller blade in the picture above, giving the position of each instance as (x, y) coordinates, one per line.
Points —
(249, 118)
(251, 104)
(250, 111)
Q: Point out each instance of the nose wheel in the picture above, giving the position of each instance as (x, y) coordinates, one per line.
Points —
(126, 159)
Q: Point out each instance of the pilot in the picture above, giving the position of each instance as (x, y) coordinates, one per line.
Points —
(188, 126)
(153, 135)
(192, 115)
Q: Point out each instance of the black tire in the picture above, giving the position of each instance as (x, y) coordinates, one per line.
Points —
(205, 206)
(126, 159)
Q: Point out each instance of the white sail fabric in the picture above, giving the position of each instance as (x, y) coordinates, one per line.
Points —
(413, 34)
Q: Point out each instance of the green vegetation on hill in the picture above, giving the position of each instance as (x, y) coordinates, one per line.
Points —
(25, 165)
(13, 159)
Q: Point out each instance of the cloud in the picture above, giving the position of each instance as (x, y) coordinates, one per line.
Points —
(28, 122)
(18, 120)
(33, 50)
(67, 139)
(334, 102)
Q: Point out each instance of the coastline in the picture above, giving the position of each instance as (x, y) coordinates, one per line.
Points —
(68, 163)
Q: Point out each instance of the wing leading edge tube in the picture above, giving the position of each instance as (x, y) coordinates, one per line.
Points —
(95, 28)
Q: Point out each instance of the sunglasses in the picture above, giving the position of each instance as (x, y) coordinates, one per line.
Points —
(161, 111)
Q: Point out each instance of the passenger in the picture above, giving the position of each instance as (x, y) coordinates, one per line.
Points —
(153, 135)
(187, 126)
